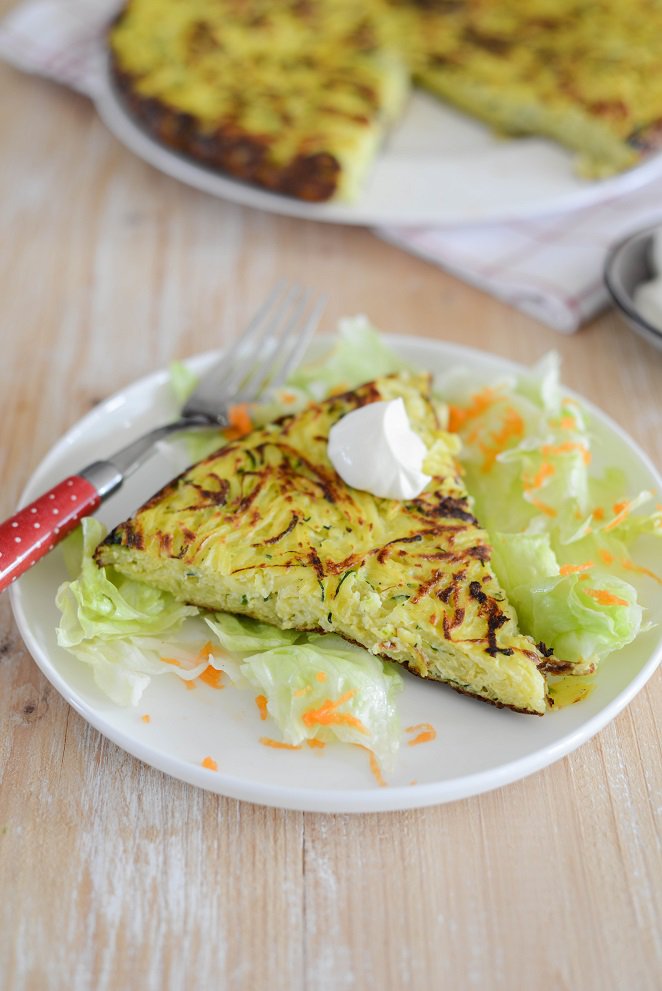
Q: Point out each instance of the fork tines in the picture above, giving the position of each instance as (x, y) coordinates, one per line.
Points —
(273, 342)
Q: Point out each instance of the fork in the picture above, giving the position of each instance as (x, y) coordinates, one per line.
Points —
(259, 361)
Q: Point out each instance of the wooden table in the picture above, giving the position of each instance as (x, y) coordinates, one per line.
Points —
(114, 876)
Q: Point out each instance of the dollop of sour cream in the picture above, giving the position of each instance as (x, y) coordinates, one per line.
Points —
(648, 295)
(374, 448)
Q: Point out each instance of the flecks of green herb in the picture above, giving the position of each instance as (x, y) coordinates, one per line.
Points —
(350, 572)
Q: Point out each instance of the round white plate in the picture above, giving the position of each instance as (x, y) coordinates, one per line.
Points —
(478, 747)
(437, 167)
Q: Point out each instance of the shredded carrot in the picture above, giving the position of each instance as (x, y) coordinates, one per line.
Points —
(278, 744)
(288, 398)
(598, 513)
(216, 651)
(571, 569)
(240, 422)
(629, 565)
(231, 433)
(545, 471)
(428, 733)
(606, 598)
(374, 766)
(204, 652)
(321, 676)
(480, 401)
(567, 423)
(620, 510)
(567, 447)
(210, 764)
(146, 718)
(606, 557)
(189, 684)
(212, 677)
(456, 418)
(261, 703)
(314, 743)
(513, 426)
(542, 506)
(306, 690)
(327, 714)
(376, 770)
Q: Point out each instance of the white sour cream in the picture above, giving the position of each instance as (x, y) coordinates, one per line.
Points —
(373, 448)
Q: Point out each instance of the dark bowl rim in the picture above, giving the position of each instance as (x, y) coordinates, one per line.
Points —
(621, 300)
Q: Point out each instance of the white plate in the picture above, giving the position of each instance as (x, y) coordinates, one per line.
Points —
(477, 747)
(437, 167)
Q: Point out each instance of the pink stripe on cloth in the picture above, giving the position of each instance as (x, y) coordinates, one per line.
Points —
(550, 268)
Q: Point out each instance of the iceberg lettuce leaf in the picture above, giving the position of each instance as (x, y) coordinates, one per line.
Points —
(557, 529)
(583, 615)
(317, 686)
(121, 628)
(360, 355)
(103, 604)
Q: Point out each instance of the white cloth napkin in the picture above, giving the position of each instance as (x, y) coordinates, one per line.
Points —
(551, 267)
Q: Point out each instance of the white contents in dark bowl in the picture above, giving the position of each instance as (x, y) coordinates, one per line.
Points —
(647, 296)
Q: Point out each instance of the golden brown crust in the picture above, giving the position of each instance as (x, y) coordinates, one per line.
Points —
(313, 178)
(498, 705)
(648, 139)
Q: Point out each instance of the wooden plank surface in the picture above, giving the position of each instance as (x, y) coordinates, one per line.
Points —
(114, 876)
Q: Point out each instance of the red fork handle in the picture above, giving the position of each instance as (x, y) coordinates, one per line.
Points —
(33, 531)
